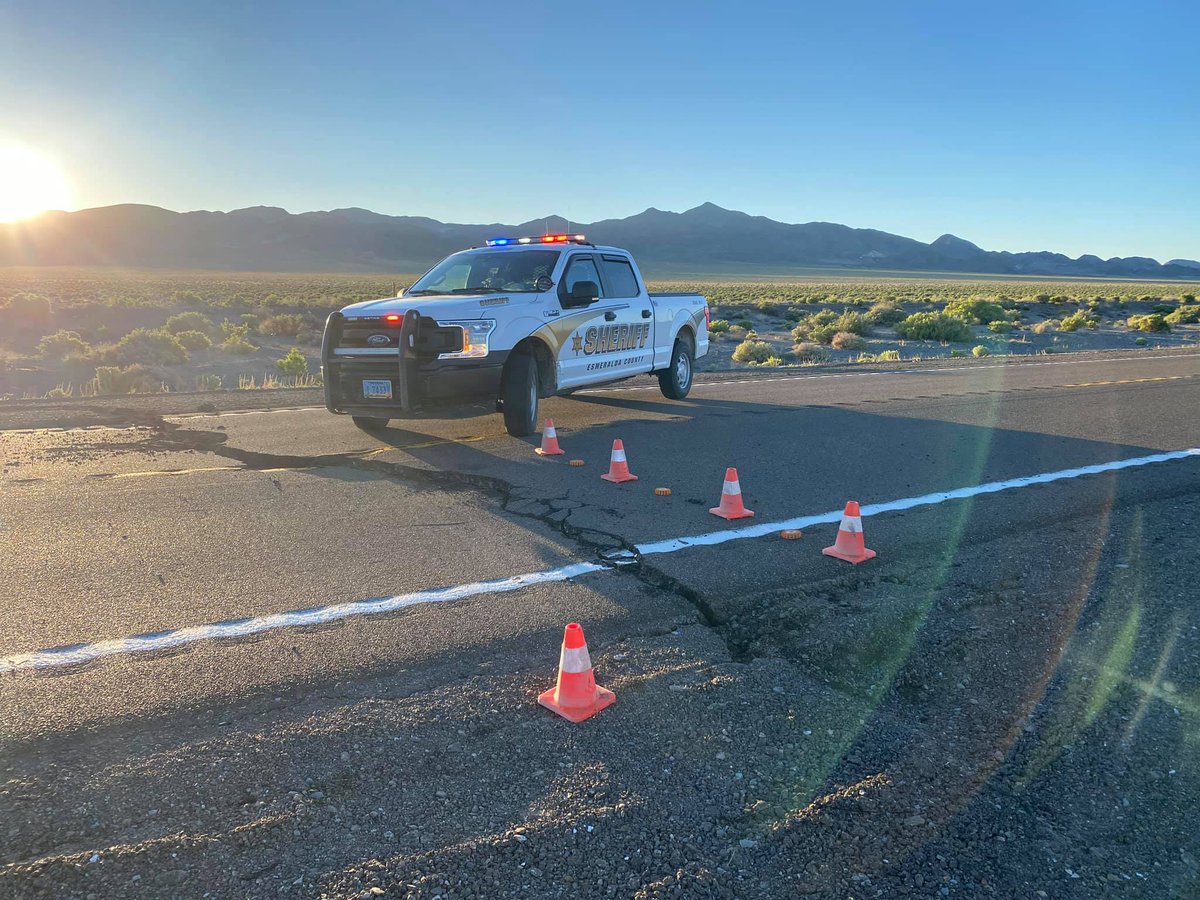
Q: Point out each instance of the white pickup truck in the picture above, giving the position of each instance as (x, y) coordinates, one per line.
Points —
(512, 321)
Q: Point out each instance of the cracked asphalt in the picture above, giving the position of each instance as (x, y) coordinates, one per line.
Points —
(1006, 702)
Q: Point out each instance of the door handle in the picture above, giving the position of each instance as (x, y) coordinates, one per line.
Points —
(645, 313)
(610, 316)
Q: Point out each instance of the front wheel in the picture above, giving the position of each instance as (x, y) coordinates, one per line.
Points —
(676, 380)
(520, 395)
(370, 423)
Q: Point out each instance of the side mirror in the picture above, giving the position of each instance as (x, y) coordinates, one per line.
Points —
(584, 292)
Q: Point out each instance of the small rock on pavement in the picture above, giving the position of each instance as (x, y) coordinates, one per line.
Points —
(914, 821)
(747, 843)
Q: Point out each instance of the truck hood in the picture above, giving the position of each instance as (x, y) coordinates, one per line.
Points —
(440, 306)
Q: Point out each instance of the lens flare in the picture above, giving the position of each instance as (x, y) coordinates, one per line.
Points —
(30, 183)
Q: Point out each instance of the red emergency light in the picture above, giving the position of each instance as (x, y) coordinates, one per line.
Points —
(543, 239)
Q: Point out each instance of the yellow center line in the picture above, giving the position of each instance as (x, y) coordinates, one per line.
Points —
(172, 472)
(438, 443)
(366, 455)
(1127, 381)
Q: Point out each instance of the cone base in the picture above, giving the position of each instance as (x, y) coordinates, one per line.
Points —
(618, 479)
(604, 698)
(725, 514)
(540, 452)
(848, 557)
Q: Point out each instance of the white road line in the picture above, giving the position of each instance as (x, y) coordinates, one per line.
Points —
(166, 640)
(75, 655)
(762, 529)
(940, 370)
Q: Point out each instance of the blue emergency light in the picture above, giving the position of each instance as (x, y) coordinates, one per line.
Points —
(542, 239)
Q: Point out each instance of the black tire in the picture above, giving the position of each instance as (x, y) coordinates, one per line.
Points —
(676, 380)
(370, 423)
(519, 392)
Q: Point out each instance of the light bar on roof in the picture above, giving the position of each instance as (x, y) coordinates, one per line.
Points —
(540, 239)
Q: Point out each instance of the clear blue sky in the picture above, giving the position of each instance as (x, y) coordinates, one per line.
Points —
(1071, 126)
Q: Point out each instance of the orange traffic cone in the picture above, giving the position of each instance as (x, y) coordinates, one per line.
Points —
(731, 499)
(549, 441)
(618, 469)
(849, 544)
(576, 696)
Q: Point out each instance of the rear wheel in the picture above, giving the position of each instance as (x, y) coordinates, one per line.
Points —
(519, 392)
(676, 380)
(370, 423)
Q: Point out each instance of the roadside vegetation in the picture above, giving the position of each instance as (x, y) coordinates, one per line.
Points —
(78, 332)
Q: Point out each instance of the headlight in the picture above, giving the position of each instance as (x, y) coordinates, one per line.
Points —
(475, 338)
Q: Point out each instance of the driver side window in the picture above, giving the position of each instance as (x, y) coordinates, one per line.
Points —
(580, 268)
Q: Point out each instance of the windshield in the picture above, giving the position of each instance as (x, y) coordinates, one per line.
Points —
(515, 271)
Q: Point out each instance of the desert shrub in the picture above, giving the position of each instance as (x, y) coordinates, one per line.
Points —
(934, 326)
(1151, 323)
(807, 324)
(249, 319)
(159, 348)
(1000, 327)
(238, 345)
(1077, 320)
(979, 350)
(1141, 342)
(752, 352)
(209, 381)
(26, 311)
(191, 321)
(958, 354)
(810, 352)
(234, 339)
(135, 379)
(885, 356)
(1184, 315)
(885, 313)
(62, 344)
(294, 365)
(847, 340)
(822, 326)
(745, 323)
(283, 325)
(60, 392)
(773, 361)
(1045, 327)
(1163, 309)
(194, 340)
(975, 309)
(718, 326)
(737, 331)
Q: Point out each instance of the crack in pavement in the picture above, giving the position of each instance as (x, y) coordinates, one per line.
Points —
(609, 549)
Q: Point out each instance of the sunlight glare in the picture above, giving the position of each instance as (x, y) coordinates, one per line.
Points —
(29, 183)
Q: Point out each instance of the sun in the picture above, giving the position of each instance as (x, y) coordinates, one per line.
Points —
(30, 183)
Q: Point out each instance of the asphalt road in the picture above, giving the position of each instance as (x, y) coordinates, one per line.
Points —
(1004, 702)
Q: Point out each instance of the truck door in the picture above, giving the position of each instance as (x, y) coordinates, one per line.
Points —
(610, 337)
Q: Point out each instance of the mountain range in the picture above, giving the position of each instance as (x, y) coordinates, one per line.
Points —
(707, 239)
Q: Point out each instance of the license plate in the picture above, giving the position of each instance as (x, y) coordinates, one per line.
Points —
(377, 390)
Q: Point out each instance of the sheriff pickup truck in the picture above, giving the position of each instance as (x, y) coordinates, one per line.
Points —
(511, 322)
